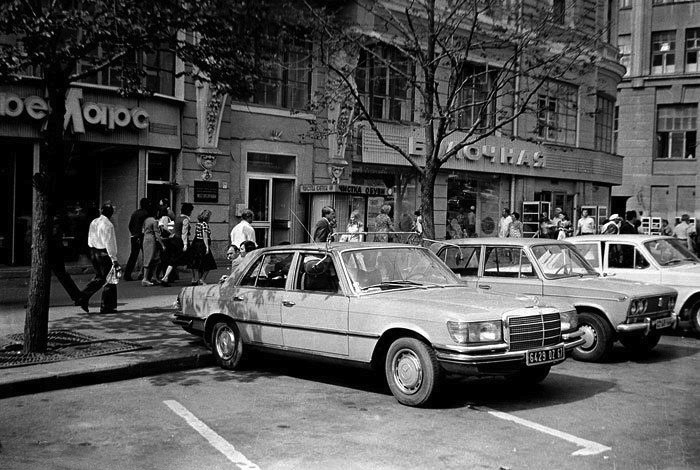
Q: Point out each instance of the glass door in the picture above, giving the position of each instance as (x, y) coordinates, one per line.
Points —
(259, 202)
(271, 200)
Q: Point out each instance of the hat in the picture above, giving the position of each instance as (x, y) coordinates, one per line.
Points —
(614, 216)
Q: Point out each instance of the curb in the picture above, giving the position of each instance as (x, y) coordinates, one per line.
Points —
(131, 370)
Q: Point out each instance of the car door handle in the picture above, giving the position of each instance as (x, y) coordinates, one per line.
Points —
(288, 303)
(484, 286)
(238, 299)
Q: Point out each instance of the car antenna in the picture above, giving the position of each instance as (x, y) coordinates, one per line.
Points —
(311, 237)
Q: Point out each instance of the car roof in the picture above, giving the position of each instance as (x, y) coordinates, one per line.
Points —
(335, 246)
(498, 241)
(623, 237)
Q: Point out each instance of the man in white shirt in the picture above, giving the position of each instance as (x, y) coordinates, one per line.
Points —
(103, 255)
(504, 224)
(242, 232)
(685, 231)
(586, 224)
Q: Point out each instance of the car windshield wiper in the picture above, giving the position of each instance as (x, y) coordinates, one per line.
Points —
(673, 261)
(395, 282)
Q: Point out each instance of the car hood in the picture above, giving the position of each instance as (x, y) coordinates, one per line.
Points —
(682, 275)
(459, 303)
(607, 287)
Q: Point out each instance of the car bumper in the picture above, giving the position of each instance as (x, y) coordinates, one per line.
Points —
(190, 324)
(647, 324)
(496, 359)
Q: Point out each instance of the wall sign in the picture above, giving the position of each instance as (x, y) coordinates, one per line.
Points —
(502, 155)
(108, 116)
(206, 191)
(343, 188)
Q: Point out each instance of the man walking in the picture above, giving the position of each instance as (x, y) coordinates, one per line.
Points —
(136, 231)
(504, 224)
(324, 227)
(103, 255)
(586, 225)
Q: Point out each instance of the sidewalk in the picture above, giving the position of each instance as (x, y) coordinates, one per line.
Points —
(143, 317)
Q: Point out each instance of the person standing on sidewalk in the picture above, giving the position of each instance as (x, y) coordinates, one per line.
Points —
(152, 246)
(324, 227)
(586, 224)
(202, 259)
(242, 232)
(103, 255)
(176, 246)
(136, 231)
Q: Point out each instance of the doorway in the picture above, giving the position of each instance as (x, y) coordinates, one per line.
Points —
(270, 198)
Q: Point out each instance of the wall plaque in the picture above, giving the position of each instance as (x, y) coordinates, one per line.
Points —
(206, 191)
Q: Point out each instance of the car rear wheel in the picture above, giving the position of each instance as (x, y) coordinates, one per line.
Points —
(640, 344)
(695, 316)
(412, 371)
(531, 375)
(226, 345)
(598, 338)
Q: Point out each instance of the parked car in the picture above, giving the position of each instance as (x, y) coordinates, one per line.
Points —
(609, 309)
(649, 258)
(391, 306)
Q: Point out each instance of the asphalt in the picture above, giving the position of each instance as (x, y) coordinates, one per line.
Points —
(143, 317)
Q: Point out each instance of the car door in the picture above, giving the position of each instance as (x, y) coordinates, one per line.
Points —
(257, 299)
(314, 308)
(463, 260)
(626, 261)
(508, 270)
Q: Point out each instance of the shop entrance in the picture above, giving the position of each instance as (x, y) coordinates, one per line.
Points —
(16, 164)
(270, 199)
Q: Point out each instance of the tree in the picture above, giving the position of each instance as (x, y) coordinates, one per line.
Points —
(60, 42)
(472, 67)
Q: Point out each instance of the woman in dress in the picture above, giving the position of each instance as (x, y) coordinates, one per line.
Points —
(152, 245)
(383, 224)
(515, 229)
(202, 260)
(354, 228)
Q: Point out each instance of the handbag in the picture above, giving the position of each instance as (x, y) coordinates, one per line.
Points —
(114, 275)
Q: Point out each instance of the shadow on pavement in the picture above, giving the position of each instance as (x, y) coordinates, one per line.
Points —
(661, 353)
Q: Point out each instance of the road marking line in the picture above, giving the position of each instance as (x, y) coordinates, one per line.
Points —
(219, 443)
(589, 447)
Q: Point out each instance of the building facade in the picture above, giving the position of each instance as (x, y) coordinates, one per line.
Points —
(658, 98)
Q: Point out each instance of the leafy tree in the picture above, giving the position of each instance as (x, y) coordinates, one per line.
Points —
(221, 41)
(428, 49)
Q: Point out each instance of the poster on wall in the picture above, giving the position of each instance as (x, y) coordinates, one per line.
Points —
(206, 191)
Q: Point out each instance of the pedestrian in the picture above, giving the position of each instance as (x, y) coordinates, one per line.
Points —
(152, 246)
(57, 261)
(471, 222)
(202, 260)
(418, 224)
(246, 247)
(504, 223)
(685, 232)
(136, 236)
(241, 232)
(164, 207)
(103, 254)
(564, 229)
(353, 229)
(586, 224)
(383, 224)
(612, 226)
(638, 226)
(515, 230)
(176, 246)
(665, 228)
(627, 226)
(166, 226)
(323, 230)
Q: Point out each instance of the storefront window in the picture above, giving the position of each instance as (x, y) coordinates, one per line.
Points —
(158, 176)
(473, 205)
(403, 196)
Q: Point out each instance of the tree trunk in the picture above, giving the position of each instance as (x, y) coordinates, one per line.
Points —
(36, 323)
(427, 196)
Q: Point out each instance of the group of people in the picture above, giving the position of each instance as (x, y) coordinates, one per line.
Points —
(384, 227)
(462, 225)
(164, 240)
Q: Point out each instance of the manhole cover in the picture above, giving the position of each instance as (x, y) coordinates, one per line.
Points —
(62, 345)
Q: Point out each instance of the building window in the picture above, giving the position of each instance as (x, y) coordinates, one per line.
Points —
(159, 171)
(676, 131)
(625, 4)
(692, 50)
(625, 46)
(663, 52)
(604, 123)
(288, 83)
(559, 11)
(476, 107)
(616, 128)
(383, 83)
(557, 109)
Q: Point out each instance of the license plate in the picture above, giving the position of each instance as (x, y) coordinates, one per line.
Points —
(663, 323)
(534, 358)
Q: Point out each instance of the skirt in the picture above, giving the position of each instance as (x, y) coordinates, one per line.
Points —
(150, 251)
(201, 260)
(173, 255)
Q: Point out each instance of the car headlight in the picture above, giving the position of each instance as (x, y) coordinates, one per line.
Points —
(569, 320)
(633, 307)
(475, 332)
(642, 306)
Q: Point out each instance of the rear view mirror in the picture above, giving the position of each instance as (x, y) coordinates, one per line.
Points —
(315, 266)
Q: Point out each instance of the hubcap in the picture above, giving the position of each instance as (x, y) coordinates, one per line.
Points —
(407, 371)
(589, 336)
(225, 343)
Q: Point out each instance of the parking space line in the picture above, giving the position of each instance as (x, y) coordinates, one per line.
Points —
(219, 443)
(589, 447)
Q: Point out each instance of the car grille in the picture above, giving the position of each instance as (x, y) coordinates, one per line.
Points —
(656, 303)
(533, 331)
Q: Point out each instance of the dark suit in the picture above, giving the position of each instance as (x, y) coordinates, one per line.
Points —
(627, 227)
(322, 230)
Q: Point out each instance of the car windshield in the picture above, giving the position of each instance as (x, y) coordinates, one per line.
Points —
(559, 260)
(396, 267)
(670, 252)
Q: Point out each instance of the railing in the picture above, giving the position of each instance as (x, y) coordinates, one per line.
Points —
(410, 238)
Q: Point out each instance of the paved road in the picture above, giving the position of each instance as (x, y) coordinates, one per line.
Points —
(284, 414)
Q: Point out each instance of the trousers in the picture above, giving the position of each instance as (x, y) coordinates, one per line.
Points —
(101, 263)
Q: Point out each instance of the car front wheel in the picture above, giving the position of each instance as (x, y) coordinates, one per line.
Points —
(695, 316)
(412, 371)
(641, 344)
(227, 346)
(598, 338)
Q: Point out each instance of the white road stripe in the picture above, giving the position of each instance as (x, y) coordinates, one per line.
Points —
(589, 447)
(219, 443)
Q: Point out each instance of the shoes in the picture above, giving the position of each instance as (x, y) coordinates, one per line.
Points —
(146, 283)
(155, 282)
(83, 304)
